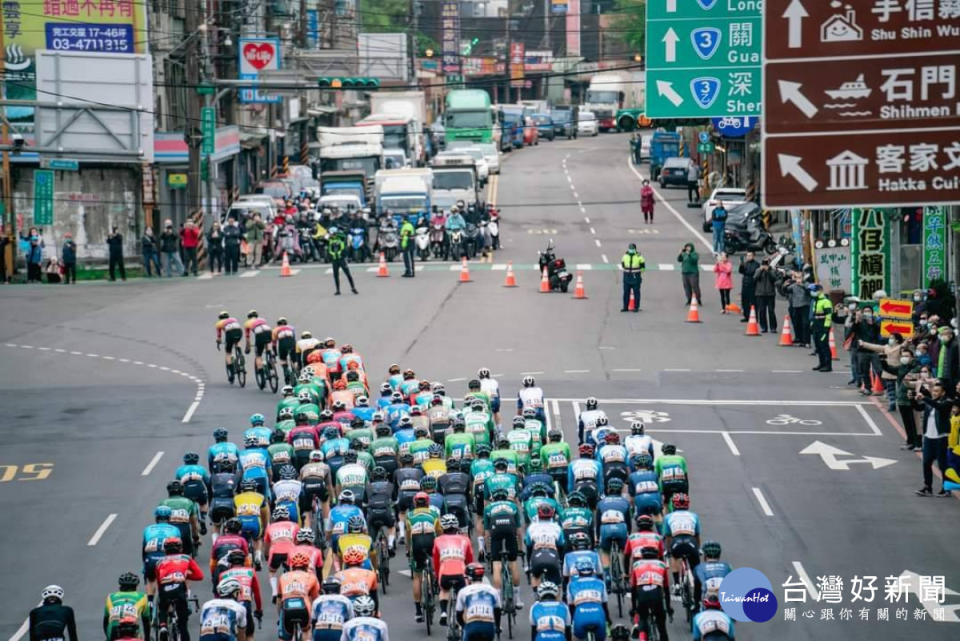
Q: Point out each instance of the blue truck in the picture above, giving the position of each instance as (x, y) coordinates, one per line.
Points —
(663, 145)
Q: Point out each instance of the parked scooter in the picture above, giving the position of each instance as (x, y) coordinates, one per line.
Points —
(749, 235)
(423, 242)
(388, 240)
(557, 273)
(438, 235)
(493, 228)
(472, 241)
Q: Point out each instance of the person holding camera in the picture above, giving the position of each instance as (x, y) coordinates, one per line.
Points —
(936, 428)
(798, 294)
(748, 288)
(115, 253)
(690, 272)
(765, 284)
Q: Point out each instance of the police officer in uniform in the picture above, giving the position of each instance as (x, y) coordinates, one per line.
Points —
(407, 232)
(821, 327)
(633, 265)
(336, 251)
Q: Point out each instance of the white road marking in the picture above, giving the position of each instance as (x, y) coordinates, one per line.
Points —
(586, 219)
(728, 371)
(93, 355)
(762, 501)
(456, 380)
(677, 369)
(100, 530)
(60, 350)
(499, 267)
(597, 242)
(250, 273)
(665, 267)
(582, 209)
(531, 373)
(626, 369)
(22, 630)
(673, 211)
(108, 358)
(80, 354)
(190, 411)
(44, 349)
(31, 347)
(584, 267)
(576, 371)
(603, 257)
(729, 441)
(786, 371)
(697, 401)
(10, 344)
(575, 194)
(606, 347)
(593, 231)
(205, 276)
(805, 579)
(868, 419)
(152, 464)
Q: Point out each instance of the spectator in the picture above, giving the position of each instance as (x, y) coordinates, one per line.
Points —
(150, 251)
(646, 201)
(69, 254)
(190, 238)
(34, 256)
(865, 330)
(215, 248)
(168, 246)
(693, 183)
(890, 354)
(765, 287)
(748, 297)
(946, 358)
(922, 354)
(231, 246)
(3, 255)
(255, 238)
(723, 279)
(936, 428)
(690, 272)
(115, 252)
(719, 224)
(183, 257)
(797, 293)
(905, 396)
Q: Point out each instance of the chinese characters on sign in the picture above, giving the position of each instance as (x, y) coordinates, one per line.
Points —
(833, 267)
(934, 244)
(870, 252)
(256, 55)
(43, 197)
(450, 38)
(516, 64)
(869, 599)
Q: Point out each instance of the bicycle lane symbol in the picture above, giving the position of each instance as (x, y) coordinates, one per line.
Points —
(787, 419)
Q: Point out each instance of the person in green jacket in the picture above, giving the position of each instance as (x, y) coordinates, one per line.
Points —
(690, 272)
(336, 251)
(821, 327)
(407, 232)
(127, 603)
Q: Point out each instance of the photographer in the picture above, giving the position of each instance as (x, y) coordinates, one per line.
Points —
(890, 354)
(935, 427)
(797, 293)
(690, 272)
(748, 295)
(864, 330)
(765, 283)
(904, 370)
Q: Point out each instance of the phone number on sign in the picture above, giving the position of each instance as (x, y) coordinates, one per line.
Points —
(90, 37)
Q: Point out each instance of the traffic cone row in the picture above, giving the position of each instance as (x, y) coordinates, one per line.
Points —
(511, 279)
(382, 268)
(753, 329)
(693, 316)
(786, 336)
(578, 290)
(285, 266)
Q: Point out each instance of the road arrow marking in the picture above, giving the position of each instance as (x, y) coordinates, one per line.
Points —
(830, 453)
(790, 92)
(666, 90)
(790, 165)
(912, 582)
(671, 6)
(670, 40)
(795, 13)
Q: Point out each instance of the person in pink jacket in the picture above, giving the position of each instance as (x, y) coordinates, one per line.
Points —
(723, 279)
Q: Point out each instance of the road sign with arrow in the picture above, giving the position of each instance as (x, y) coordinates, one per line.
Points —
(832, 457)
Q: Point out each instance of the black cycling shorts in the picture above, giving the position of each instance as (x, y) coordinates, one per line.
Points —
(260, 341)
(222, 509)
(545, 563)
(615, 470)
(452, 582)
(231, 338)
(314, 488)
(294, 615)
(457, 504)
(378, 517)
(286, 347)
(276, 560)
(388, 463)
(673, 487)
(405, 501)
(478, 499)
(501, 540)
(196, 491)
(248, 605)
(421, 549)
(685, 547)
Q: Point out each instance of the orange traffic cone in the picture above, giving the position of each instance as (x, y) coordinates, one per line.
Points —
(693, 316)
(382, 268)
(578, 291)
(285, 266)
(464, 271)
(752, 328)
(544, 282)
(786, 336)
(833, 345)
(511, 279)
(733, 308)
(876, 384)
(632, 304)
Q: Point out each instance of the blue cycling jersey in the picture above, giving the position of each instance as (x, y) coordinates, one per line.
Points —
(572, 559)
(580, 470)
(404, 438)
(222, 453)
(383, 401)
(535, 477)
(710, 573)
(262, 434)
(255, 463)
(713, 625)
(587, 596)
(395, 411)
(366, 413)
(155, 534)
(681, 523)
(339, 516)
(550, 619)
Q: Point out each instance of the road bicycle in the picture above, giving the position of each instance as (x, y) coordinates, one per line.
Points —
(267, 374)
(316, 524)
(428, 592)
(382, 547)
(453, 627)
(616, 574)
(648, 631)
(506, 588)
(686, 589)
(239, 367)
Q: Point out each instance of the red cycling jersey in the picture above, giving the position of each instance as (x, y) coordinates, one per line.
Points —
(315, 555)
(639, 540)
(248, 582)
(303, 437)
(255, 325)
(280, 537)
(178, 568)
(226, 324)
(650, 572)
(451, 554)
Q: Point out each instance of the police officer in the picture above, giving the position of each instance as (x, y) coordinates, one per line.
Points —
(407, 231)
(633, 265)
(336, 251)
(821, 327)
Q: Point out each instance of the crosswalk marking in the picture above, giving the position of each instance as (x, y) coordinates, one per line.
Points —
(251, 273)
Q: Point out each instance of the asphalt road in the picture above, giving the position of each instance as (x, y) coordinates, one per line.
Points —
(99, 379)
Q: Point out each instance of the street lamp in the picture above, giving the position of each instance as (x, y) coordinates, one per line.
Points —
(428, 53)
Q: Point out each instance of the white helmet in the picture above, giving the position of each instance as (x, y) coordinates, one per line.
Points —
(52, 591)
(483, 372)
(364, 606)
(529, 381)
(228, 587)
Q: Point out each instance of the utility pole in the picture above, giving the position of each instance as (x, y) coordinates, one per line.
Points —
(508, 54)
(414, 29)
(10, 255)
(303, 24)
(208, 209)
(194, 102)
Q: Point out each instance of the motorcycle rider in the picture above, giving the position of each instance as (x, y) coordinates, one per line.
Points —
(455, 222)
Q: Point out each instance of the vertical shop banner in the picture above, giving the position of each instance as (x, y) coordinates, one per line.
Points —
(833, 267)
(516, 64)
(43, 197)
(573, 28)
(934, 244)
(450, 37)
(870, 252)
(313, 28)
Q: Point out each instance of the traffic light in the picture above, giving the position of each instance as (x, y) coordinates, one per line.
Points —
(356, 83)
(467, 49)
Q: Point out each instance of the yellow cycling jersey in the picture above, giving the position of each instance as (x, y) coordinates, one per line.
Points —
(434, 467)
(248, 504)
(352, 541)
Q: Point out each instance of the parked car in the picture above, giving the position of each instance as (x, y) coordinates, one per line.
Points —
(531, 135)
(674, 171)
(564, 121)
(729, 196)
(491, 155)
(587, 124)
(545, 126)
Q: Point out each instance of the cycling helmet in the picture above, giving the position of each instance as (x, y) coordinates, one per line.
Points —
(301, 417)
(252, 314)
(586, 450)
(404, 422)
(501, 463)
(483, 450)
(585, 568)
(545, 511)
(540, 489)
(421, 499)
(346, 496)
(304, 377)
(382, 429)
(128, 581)
(309, 370)
(282, 321)
(555, 435)
(172, 545)
(286, 390)
(500, 494)
(256, 420)
(473, 384)
(644, 522)
(408, 374)
(386, 388)
(316, 456)
(364, 606)
(518, 421)
(591, 403)
(535, 464)
(396, 397)
(576, 499)
(162, 513)
(435, 451)
(601, 421)
(223, 315)
(438, 388)
(304, 397)
(52, 592)
(329, 342)
(287, 472)
(280, 513)
(420, 431)
(459, 425)
(306, 535)
(712, 549)
(668, 449)
(406, 458)
(346, 348)
(529, 412)
(680, 501)
(483, 372)
(220, 435)
(529, 381)
(249, 485)
(477, 405)
(331, 432)
(331, 585)
(647, 552)
(299, 560)
(306, 334)
(174, 488)
(377, 417)
(424, 385)
(326, 415)
(251, 441)
(414, 411)
(380, 473)
(356, 524)
(711, 602)
(350, 456)
(277, 436)
(361, 401)
(580, 541)
(475, 572)
(503, 443)
(548, 590)
(636, 428)
(642, 461)
(393, 369)
(428, 484)
(614, 485)
(285, 414)
(233, 526)
(449, 522)
(353, 556)
(339, 406)
(229, 587)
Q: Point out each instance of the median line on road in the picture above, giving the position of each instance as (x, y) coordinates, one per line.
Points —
(729, 441)
(672, 209)
(761, 499)
(100, 530)
(805, 579)
(152, 464)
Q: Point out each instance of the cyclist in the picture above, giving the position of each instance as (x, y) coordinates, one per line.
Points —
(501, 478)
(230, 541)
(638, 442)
(252, 510)
(577, 518)
(521, 442)
(555, 457)
(423, 526)
(459, 444)
(285, 421)
(434, 465)
(363, 410)
(428, 484)
(305, 346)
(504, 452)
(454, 485)
(478, 607)
(52, 620)
(396, 409)
(584, 474)
(406, 433)
(587, 420)
(385, 449)
(420, 447)
(409, 385)
(259, 434)
(306, 544)
(381, 494)
(128, 629)
(477, 416)
(288, 400)
(284, 339)
(501, 519)
(280, 452)
(422, 397)
(331, 357)
(354, 384)
(644, 486)
(302, 438)
(225, 618)
(262, 334)
(544, 543)
(288, 492)
(330, 611)
(549, 617)
(613, 520)
(439, 419)
(580, 552)
(440, 390)
(195, 481)
(173, 572)
(646, 536)
(587, 598)
(418, 417)
(360, 432)
(531, 397)
(357, 581)
(222, 451)
(127, 602)
(352, 476)
(255, 464)
(297, 590)
(365, 625)
(613, 458)
(386, 395)
(711, 572)
(230, 331)
(537, 428)
(598, 436)
(712, 623)
(681, 531)
(183, 515)
(315, 477)
(475, 392)
(341, 514)
(407, 479)
(671, 470)
(234, 567)
(152, 548)
(394, 377)
(650, 590)
(536, 495)
(278, 542)
(534, 479)
(452, 552)
(490, 387)
(481, 468)
(355, 538)
(334, 447)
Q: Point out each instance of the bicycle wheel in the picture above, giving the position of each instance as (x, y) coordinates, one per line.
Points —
(383, 563)
(687, 593)
(272, 375)
(239, 364)
(616, 577)
(230, 376)
(426, 599)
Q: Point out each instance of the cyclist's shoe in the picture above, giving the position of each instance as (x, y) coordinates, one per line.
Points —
(443, 618)
(258, 562)
(677, 589)
(635, 632)
(481, 556)
(392, 551)
(203, 528)
(517, 602)
(164, 633)
(273, 599)
(401, 540)
(419, 617)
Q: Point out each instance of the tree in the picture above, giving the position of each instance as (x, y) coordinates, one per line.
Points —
(630, 26)
(384, 16)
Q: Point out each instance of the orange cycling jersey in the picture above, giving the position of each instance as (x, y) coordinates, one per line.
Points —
(226, 325)
(298, 584)
(357, 581)
(255, 325)
(283, 331)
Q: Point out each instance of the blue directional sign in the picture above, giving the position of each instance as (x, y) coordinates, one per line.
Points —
(734, 126)
(705, 41)
(705, 90)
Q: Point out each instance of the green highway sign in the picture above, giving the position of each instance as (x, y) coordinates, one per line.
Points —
(703, 58)
(705, 147)
(208, 127)
(43, 197)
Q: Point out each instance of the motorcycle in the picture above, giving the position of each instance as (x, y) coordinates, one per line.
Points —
(748, 234)
(455, 247)
(472, 241)
(388, 240)
(423, 242)
(493, 227)
(438, 235)
(358, 244)
(557, 274)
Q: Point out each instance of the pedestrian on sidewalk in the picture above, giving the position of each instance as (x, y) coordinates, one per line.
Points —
(255, 239)
(115, 252)
(765, 284)
(215, 247)
(151, 252)
(905, 396)
(723, 279)
(693, 183)
(948, 367)
(821, 327)
(646, 201)
(797, 293)
(936, 428)
(169, 241)
(69, 255)
(336, 250)
(865, 330)
(407, 232)
(719, 223)
(231, 245)
(33, 256)
(748, 291)
(890, 354)
(690, 272)
(191, 242)
(632, 265)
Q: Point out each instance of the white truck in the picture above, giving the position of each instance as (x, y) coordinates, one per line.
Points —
(404, 191)
(611, 91)
(350, 149)
(408, 104)
(454, 178)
